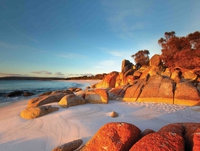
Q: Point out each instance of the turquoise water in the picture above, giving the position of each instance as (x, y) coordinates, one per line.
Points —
(34, 86)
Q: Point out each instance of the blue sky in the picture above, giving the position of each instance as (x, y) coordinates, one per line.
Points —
(62, 38)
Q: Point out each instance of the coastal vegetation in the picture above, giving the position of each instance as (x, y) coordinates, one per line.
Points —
(181, 52)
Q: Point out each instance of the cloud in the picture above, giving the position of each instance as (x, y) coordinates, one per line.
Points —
(20, 33)
(79, 75)
(123, 54)
(105, 64)
(8, 46)
(72, 56)
(10, 74)
(120, 53)
(33, 49)
(124, 17)
(59, 74)
(42, 72)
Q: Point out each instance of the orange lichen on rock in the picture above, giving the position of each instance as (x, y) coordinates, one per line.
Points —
(117, 136)
(167, 138)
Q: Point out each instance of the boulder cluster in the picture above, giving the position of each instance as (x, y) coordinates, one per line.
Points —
(38, 106)
(121, 136)
(153, 83)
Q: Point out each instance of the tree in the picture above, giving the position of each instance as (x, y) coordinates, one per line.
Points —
(194, 39)
(182, 52)
(141, 57)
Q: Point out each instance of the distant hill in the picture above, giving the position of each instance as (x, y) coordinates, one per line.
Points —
(95, 77)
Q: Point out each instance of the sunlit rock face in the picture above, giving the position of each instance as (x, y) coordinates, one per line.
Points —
(34, 112)
(45, 99)
(157, 89)
(192, 136)
(153, 83)
(108, 81)
(186, 94)
(176, 136)
(117, 136)
(71, 100)
(97, 96)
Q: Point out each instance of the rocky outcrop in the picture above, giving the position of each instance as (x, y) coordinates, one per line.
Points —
(186, 94)
(166, 73)
(97, 96)
(28, 93)
(192, 136)
(34, 112)
(117, 136)
(121, 136)
(117, 93)
(108, 81)
(70, 146)
(177, 136)
(189, 75)
(14, 93)
(157, 89)
(169, 139)
(74, 89)
(155, 60)
(133, 91)
(154, 83)
(19, 93)
(176, 76)
(126, 74)
(146, 132)
(48, 97)
(71, 100)
(45, 99)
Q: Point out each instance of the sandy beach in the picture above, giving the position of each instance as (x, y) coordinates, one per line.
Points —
(68, 124)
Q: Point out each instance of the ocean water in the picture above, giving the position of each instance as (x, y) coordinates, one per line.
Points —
(34, 86)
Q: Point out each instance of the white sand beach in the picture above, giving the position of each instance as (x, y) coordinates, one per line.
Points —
(68, 124)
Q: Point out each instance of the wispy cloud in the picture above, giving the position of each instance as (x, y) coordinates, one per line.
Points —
(8, 46)
(4, 6)
(105, 64)
(42, 72)
(124, 17)
(79, 75)
(72, 56)
(118, 53)
(47, 73)
(18, 32)
(33, 49)
(10, 74)
(59, 74)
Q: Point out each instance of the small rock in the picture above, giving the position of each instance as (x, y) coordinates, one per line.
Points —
(70, 146)
(114, 114)
(14, 93)
(28, 94)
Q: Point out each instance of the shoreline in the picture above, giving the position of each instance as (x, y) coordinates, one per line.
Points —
(83, 121)
(22, 98)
